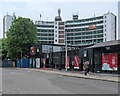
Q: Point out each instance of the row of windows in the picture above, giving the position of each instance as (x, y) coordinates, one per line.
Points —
(46, 26)
(38, 34)
(86, 24)
(72, 30)
(85, 42)
(85, 33)
(75, 38)
(83, 29)
(39, 30)
(85, 20)
(45, 38)
(85, 37)
(50, 42)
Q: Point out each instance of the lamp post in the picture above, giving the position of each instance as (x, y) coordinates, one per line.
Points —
(66, 51)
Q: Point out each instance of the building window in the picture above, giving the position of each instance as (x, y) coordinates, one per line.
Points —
(55, 40)
(105, 21)
(105, 17)
(55, 35)
(55, 26)
(105, 25)
(105, 30)
(105, 39)
(105, 34)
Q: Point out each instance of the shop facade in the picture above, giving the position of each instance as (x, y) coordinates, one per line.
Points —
(103, 57)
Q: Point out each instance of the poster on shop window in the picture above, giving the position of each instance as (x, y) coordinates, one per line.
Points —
(68, 62)
(37, 62)
(76, 62)
(109, 61)
(43, 62)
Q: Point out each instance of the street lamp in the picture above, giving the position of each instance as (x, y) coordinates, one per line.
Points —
(66, 51)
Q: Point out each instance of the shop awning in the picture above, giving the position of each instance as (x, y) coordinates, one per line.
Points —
(105, 44)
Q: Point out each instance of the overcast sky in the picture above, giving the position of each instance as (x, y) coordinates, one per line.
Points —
(48, 10)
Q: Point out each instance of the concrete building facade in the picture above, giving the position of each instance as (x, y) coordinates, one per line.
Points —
(7, 21)
(79, 31)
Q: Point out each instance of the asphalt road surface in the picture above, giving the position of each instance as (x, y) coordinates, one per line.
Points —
(28, 82)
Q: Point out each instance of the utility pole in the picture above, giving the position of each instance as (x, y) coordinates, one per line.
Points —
(66, 51)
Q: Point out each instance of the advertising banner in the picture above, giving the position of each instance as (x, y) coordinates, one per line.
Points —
(44, 62)
(37, 62)
(68, 62)
(109, 61)
(33, 50)
(76, 62)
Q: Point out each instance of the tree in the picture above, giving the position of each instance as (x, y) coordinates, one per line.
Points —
(4, 48)
(21, 35)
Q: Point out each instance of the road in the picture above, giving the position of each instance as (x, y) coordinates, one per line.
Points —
(28, 82)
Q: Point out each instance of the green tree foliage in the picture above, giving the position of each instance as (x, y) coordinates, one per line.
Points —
(21, 35)
(4, 48)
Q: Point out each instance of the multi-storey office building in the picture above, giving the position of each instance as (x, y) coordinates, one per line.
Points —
(45, 31)
(78, 31)
(91, 30)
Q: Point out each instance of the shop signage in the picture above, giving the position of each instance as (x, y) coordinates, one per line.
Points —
(44, 62)
(109, 61)
(33, 50)
(92, 27)
(37, 62)
(68, 62)
(76, 62)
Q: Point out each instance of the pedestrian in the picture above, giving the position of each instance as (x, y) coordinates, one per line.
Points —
(88, 67)
(85, 68)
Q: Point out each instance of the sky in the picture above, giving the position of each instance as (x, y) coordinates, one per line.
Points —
(48, 9)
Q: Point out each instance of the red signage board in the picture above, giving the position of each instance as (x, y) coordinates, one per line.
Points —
(44, 62)
(33, 50)
(109, 61)
(68, 62)
(76, 62)
(92, 27)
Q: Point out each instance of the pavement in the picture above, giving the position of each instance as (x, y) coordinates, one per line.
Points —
(77, 74)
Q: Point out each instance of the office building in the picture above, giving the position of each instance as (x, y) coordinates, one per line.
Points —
(79, 31)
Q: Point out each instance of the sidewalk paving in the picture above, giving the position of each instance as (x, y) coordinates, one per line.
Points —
(94, 76)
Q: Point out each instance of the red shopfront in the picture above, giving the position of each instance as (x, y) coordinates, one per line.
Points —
(110, 61)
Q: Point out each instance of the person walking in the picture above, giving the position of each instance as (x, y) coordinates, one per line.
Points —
(85, 68)
(88, 67)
